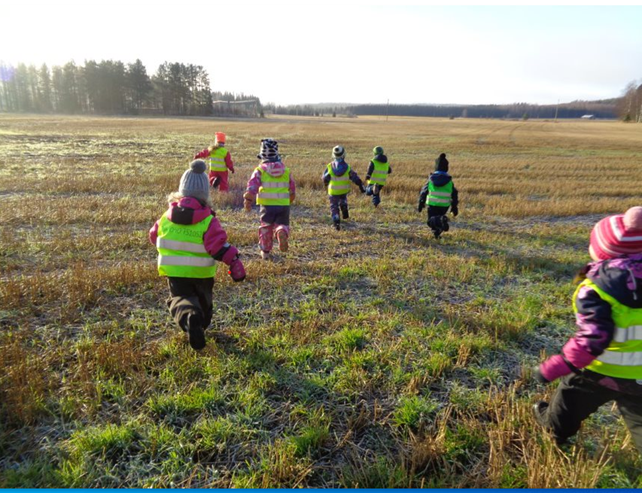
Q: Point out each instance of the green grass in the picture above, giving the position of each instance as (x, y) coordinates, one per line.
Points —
(371, 357)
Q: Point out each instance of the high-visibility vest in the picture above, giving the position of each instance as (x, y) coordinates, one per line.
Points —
(181, 252)
(380, 173)
(339, 185)
(217, 159)
(440, 196)
(623, 357)
(274, 190)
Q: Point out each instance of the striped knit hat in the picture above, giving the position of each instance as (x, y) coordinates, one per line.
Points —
(618, 235)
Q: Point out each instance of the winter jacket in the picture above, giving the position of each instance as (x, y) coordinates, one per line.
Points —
(339, 167)
(382, 158)
(228, 158)
(620, 278)
(189, 210)
(439, 179)
(275, 169)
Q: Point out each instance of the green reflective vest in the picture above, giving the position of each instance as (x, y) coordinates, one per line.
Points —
(380, 173)
(217, 159)
(274, 190)
(440, 196)
(339, 185)
(623, 357)
(181, 252)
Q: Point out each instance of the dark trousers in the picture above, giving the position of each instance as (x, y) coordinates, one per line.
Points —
(436, 211)
(577, 397)
(338, 202)
(189, 296)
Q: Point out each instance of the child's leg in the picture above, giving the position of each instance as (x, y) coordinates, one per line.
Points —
(631, 408)
(343, 205)
(334, 208)
(204, 289)
(185, 307)
(282, 231)
(575, 399)
(376, 198)
(266, 230)
(223, 184)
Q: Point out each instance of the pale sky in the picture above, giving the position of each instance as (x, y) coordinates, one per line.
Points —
(347, 52)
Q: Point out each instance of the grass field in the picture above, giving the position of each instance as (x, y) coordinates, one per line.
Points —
(371, 357)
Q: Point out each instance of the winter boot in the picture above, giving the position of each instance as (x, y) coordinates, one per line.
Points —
(337, 224)
(344, 212)
(444, 223)
(282, 238)
(195, 331)
(376, 200)
(265, 255)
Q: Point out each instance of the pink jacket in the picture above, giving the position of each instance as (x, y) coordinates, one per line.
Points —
(188, 210)
(228, 158)
(273, 169)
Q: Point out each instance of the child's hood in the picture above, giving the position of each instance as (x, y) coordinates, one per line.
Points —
(440, 178)
(339, 167)
(620, 277)
(187, 210)
(275, 169)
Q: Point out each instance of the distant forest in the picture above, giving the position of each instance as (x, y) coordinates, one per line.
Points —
(113, 88)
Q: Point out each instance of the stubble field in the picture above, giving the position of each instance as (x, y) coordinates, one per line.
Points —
(372, 357)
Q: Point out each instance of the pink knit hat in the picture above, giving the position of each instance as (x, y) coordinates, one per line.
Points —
(617, 235)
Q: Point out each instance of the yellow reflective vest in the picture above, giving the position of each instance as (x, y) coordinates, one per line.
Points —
(217, 159)
(440, 196)
(274, 190)
(623, 357)
(339, 185)
(380, 173)
(181, 252)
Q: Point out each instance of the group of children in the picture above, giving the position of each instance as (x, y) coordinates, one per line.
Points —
(601, 363)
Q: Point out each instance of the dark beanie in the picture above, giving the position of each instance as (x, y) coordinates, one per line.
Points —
(441, 163)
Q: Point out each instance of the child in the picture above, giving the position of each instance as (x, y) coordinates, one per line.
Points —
(220, 161)
(189, 240)
(336, 177)
(272, 186)
(378, 171)
(602, 362)
(439, 194)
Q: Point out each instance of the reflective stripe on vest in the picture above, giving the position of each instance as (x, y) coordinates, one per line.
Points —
(440, 196)
(181, 252)
(274, 190)
(217, 159)
(380, 173)
(339, 185)
(623, 357)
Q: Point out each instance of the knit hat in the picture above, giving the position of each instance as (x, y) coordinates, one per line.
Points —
(269, 150)
(194, 182)
(617, 235)
(220, 139)
(339, 152)
(441, 163)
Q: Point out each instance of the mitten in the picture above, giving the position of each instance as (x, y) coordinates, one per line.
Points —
(292, 197)
(454, 210)
(248, 200)
(237, 271)
(539, 378)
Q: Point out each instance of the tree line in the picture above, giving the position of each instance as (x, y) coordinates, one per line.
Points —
(629, 106)
(111, 87)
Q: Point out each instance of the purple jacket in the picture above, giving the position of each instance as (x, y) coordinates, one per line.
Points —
(622, 279)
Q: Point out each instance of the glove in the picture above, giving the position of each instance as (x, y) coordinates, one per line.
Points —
(454, 210)
(248, 200)
(539, 378)
(362, 189)
(420, 208)
(237, 271)
(292, 197)
(232, 170)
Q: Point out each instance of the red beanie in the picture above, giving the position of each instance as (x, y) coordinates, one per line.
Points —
(618, 235)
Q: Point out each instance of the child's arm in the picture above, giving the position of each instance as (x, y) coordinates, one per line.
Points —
(153, 233)
(326, 177)
(370, 170)
(252, 188)
(292, 186)
(203, 154)
(422, 197)
(215, 242)
(454, 206)
(228, 162)
(354, 177)
(595, 329)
